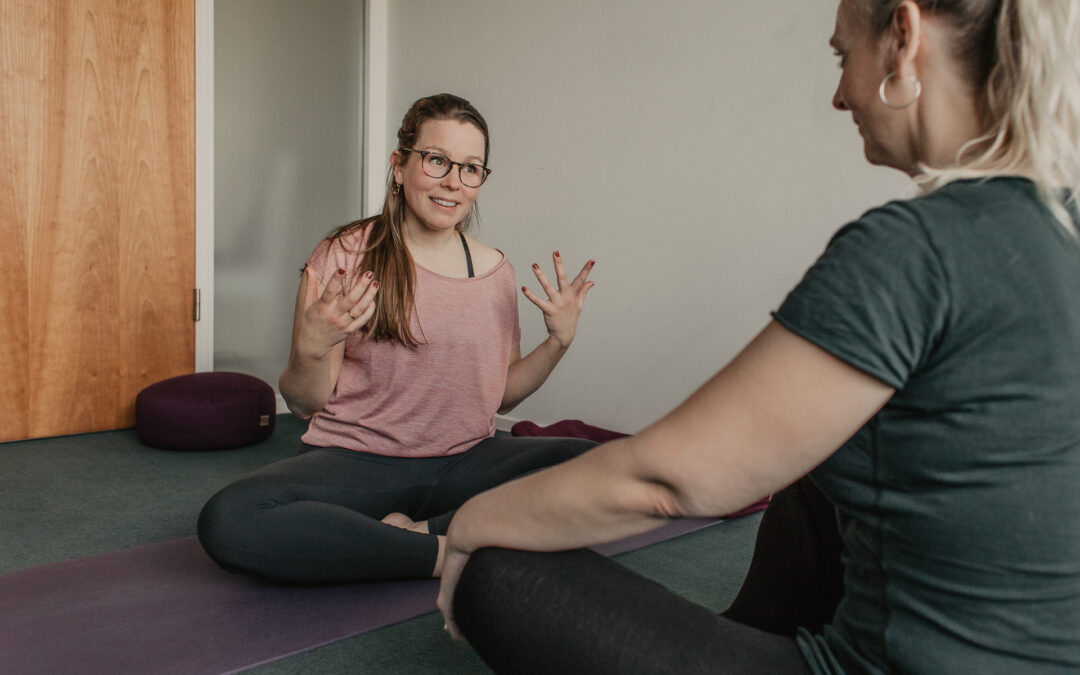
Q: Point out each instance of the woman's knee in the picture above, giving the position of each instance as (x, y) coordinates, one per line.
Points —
(559, 450)
(483, 589)
(226, 521)
(498, 584)
(577, 446)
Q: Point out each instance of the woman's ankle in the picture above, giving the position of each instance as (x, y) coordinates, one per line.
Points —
(437, 572)
(406, 523)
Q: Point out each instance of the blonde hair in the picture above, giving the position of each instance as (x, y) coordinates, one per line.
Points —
(1023, 57)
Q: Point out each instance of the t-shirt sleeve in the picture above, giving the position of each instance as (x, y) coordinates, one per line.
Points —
(515, 331)
(515, 338)
(877, 298)
(331, 255)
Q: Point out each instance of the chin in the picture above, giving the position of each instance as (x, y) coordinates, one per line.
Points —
(440, 224)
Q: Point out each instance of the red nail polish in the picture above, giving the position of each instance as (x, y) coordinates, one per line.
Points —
(536, 266)
(369, 275)
(524, 289)
(340, 271)
(375, 284)
(591, 263)
(556, 254)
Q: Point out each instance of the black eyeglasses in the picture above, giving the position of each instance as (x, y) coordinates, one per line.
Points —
(437, 166)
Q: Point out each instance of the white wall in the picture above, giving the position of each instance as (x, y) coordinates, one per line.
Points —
(288, 77)
(688, 146)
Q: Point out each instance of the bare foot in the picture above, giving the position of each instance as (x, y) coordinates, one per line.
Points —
(406, 523)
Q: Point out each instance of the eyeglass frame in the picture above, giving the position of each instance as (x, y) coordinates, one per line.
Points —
(460, 165)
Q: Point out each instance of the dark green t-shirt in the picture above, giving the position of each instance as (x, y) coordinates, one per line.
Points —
(959, 502)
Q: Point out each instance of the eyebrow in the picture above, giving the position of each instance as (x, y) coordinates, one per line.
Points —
(471, 159)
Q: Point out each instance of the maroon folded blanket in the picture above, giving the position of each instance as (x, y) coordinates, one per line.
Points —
(566, 429)
(579, 429)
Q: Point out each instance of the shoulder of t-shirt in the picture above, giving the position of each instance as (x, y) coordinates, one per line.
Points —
(342, 252)
(895, 227)
(937, 221)
(953, 209)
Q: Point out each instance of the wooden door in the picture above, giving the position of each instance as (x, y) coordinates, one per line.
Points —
(97, 209)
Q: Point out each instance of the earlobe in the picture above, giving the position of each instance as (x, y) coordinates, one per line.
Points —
(395, 166)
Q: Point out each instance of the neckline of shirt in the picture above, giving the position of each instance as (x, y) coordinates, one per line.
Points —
(478, 277)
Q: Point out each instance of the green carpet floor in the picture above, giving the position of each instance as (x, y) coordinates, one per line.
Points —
(70, 497)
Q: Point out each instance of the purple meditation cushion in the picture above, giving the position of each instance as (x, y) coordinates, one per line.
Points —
(205, 411)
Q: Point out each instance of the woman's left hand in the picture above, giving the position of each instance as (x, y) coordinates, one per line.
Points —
(563, 305)
(453, 564)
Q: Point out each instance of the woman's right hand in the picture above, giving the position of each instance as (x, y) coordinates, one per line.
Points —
(335, 315)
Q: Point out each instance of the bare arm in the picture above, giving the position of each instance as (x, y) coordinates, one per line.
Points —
(526, 375)
(322, 320)
(561, 311)
(778, 409)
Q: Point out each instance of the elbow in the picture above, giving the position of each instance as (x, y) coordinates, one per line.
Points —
(298, 411)
(294, 404)
(659, 492)
(508, 403)
(301, 411)
(661, 501)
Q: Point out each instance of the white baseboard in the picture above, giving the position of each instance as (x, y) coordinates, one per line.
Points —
(503, 423)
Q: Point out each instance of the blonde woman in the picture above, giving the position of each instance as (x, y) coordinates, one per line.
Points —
(405, 344)
(925, 373)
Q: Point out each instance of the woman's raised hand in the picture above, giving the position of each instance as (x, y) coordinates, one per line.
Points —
(563, 305)
(336, 315)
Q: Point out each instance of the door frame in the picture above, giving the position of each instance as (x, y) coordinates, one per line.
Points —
(372, 148)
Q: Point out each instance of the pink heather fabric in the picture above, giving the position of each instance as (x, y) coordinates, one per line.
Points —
(439, 399)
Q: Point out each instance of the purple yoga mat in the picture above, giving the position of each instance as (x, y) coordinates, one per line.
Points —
(167, 608)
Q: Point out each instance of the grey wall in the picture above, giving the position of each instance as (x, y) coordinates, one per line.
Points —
(288, 77)
(689, 146)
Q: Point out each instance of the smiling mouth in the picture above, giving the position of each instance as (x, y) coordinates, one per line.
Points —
(444, 202)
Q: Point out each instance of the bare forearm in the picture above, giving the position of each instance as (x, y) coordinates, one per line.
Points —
(769, 417)
(322, 320)
(561, 311)
(781, 407)
(526, 375)
(591, 499)
(307, 383)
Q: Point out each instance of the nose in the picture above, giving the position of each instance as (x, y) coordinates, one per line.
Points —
(452, 180)
(838, 100)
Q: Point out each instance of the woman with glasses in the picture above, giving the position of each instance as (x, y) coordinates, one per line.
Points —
(405, 344)
(925, 373)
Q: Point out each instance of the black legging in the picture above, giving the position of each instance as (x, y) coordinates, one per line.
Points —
(316, 517)
(578, 612)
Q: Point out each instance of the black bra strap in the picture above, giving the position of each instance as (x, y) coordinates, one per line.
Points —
(468, 256)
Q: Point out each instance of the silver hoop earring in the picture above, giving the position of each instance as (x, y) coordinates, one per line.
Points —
(885, 99)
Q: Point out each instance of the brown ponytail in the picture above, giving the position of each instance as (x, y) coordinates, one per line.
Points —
(385, 253)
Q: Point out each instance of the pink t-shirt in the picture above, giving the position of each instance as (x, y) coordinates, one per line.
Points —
(439, 399)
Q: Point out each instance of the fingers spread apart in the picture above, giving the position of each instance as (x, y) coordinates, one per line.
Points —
(355, 307)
